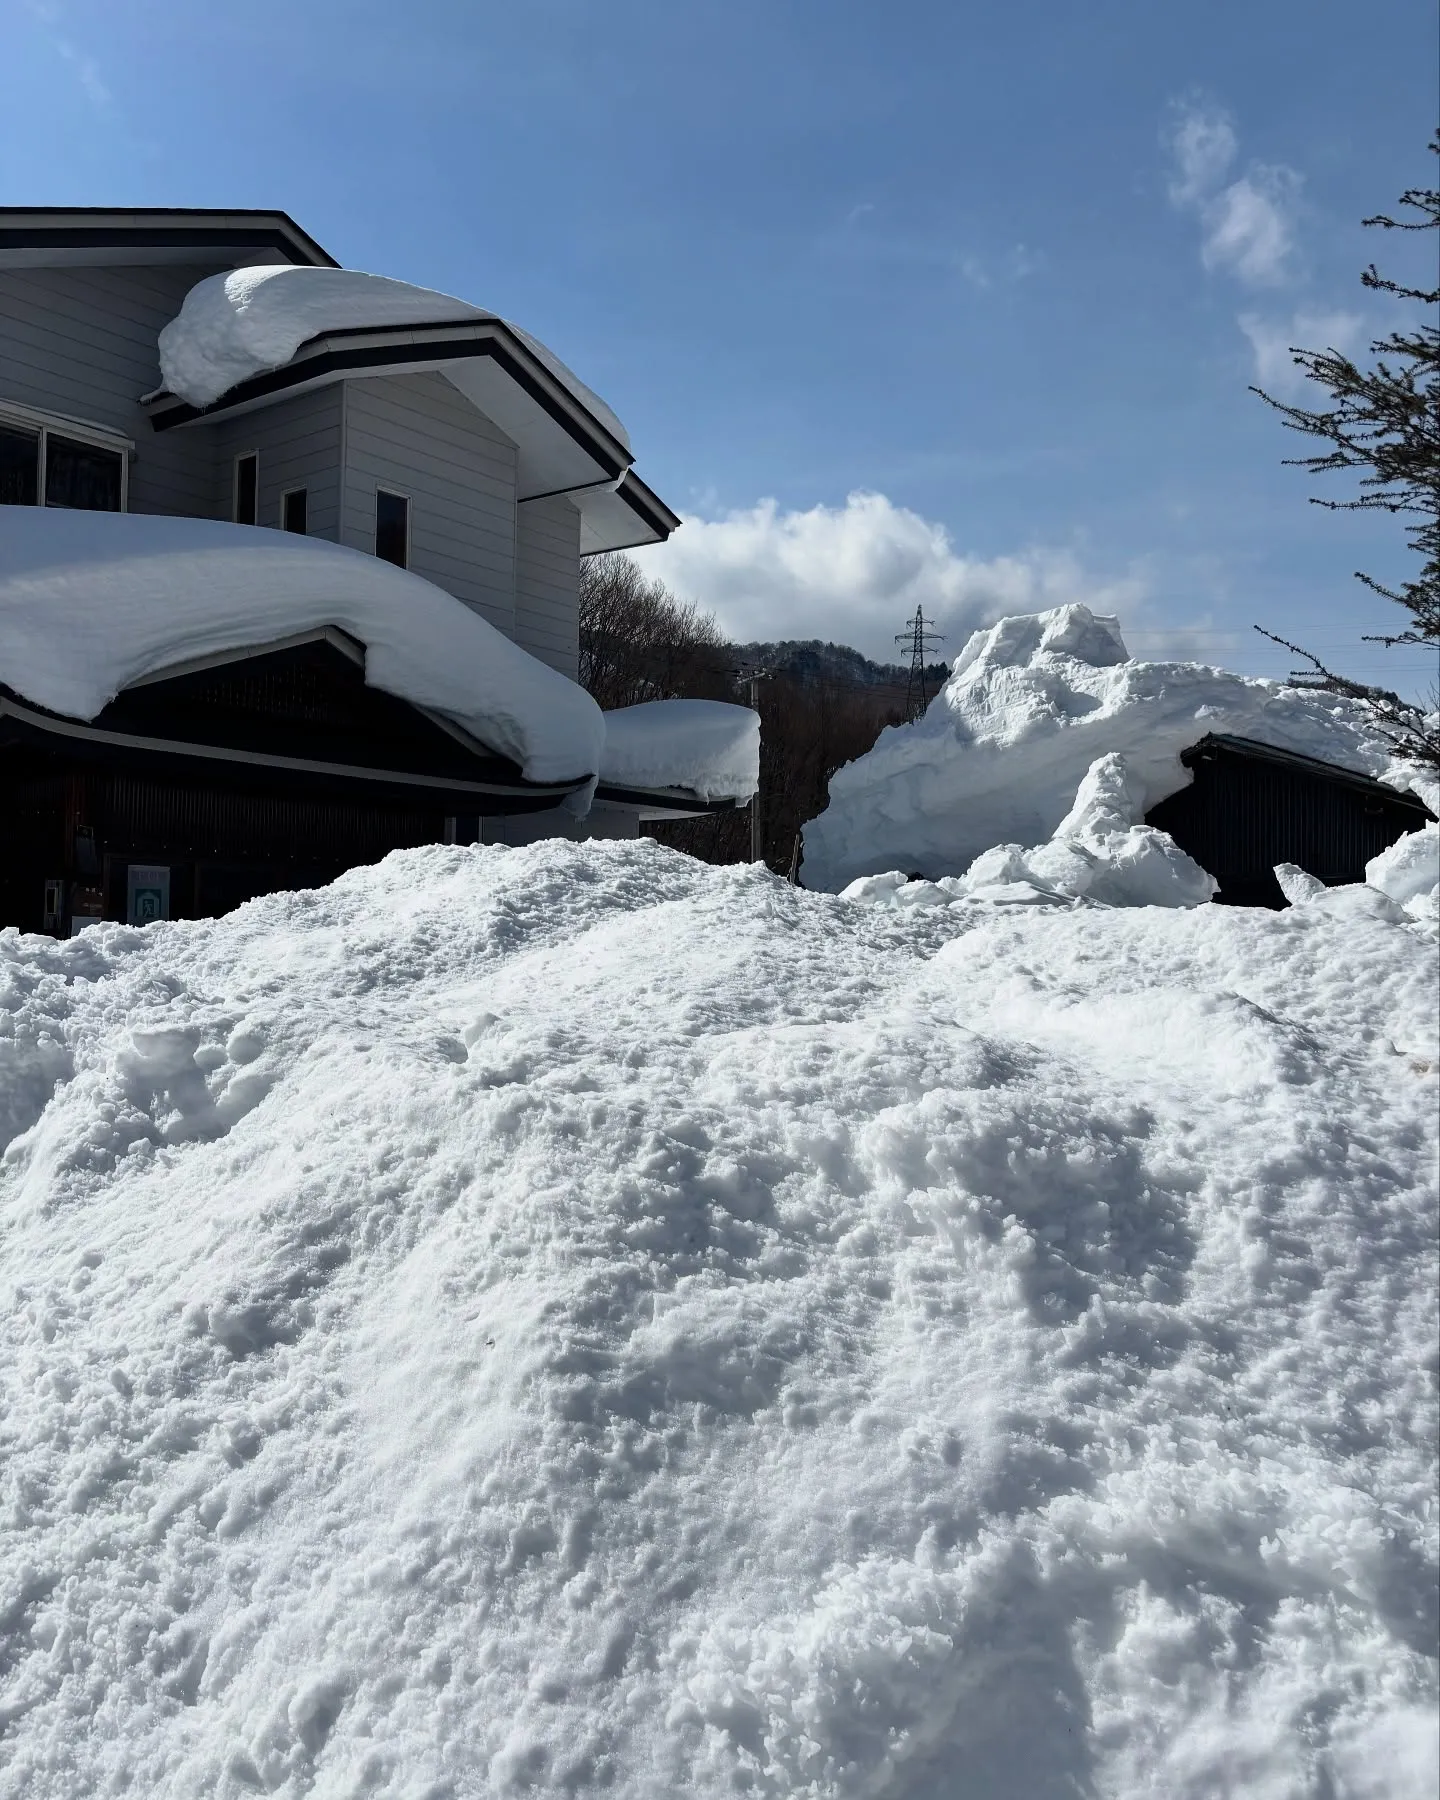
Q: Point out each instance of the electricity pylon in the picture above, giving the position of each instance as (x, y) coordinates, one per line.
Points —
(919, 638)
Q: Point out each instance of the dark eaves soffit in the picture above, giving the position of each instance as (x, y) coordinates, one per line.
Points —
(48, 236)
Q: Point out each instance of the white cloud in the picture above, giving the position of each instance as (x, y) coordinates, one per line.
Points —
(1247, 225)
(1202, 146)
(853, 573)
(1271, 341)
(87, 72)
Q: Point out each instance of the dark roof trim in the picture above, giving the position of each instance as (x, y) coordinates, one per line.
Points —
(409, 344)
(20, 720)
(645, 502)
(124, 228)
(1250, 750)
(677, 800)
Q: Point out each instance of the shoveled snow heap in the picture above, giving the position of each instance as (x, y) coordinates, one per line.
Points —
(241, 323)
(707, 746)
(1030, 705)
(573, 1320)
(90, 602)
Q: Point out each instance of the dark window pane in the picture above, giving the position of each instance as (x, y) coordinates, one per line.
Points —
(19, 466)
(392, 528)
(80, 475)
(292, 511)
(247, 470)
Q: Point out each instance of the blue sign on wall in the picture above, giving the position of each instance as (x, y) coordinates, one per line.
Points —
(147, 894)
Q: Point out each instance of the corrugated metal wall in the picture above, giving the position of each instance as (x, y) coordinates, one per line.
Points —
(1243, 815)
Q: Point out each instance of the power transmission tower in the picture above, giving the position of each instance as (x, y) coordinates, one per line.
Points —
(918, 638)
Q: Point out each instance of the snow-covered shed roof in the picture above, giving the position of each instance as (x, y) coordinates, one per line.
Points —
(91, 603)
(247, 335)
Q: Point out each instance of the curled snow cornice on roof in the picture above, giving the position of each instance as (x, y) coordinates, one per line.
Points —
(246, 322)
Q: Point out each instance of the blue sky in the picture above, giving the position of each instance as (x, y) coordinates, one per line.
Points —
(901, 301)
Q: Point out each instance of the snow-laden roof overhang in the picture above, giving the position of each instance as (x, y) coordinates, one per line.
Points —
(98, 236)
(246, 339)
(92, 603)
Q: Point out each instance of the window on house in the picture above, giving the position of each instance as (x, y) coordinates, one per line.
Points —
(292, 511)
(247, 488)
(51, 465)
(82, 475)
(19, 466)
(392, 528)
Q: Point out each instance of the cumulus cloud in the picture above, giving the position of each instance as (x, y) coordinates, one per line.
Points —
(1271, 341)
(1248, 224)
(854, 573)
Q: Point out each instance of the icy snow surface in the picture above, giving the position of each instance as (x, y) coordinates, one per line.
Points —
(575, 1320)
(708, 746)
(1030, 704)
(90, 602)
(239, 324)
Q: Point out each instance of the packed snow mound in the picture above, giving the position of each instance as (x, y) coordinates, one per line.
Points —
(1410, 868)
(243, 322)
(571, 1319)
(708, 746)
(1029, 705)
(90, 602)
(1099, 852)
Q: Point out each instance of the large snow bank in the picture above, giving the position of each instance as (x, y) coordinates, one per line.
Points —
(241, 323)
(572, 1320)
(1030, 704)
(90, 602)
(1100, 851)
(708, 746)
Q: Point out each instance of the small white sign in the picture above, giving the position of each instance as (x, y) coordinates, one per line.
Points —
(148, 894)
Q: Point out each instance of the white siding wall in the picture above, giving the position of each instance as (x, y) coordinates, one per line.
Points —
(299, 444)
(83, 342)
(547, 583)
(416, 435)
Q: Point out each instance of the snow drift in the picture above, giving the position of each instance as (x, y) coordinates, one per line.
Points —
(243, 322)
(707, 746)
(90, 602)
(571, 1319)
(1030, 705)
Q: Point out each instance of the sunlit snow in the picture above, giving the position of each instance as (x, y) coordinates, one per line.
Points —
(574, 1320)
(1030, 705)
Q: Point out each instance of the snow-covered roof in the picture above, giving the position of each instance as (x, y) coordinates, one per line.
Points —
(91, 602)
(243, 337)
(1030, 704)
(708, 747)
(244, 322)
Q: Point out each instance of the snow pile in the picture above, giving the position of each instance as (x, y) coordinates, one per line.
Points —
(90, 602)
(1030, 704)
(1099, 851)
(1410, 868)
(241, 323)
(572, 1320)
(707, 746)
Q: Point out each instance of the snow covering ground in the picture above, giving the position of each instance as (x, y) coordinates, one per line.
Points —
(90, 602)
(241, 323)
(1031, 704)
(707, 746)
(572, 1319)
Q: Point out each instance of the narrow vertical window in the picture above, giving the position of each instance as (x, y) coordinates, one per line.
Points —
(292, 511)
(19, 466)
(392, 528)
(247, 488)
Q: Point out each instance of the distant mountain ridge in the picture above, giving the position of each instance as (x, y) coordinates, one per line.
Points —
(812, 663)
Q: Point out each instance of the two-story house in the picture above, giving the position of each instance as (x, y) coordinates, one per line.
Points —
(219, 366)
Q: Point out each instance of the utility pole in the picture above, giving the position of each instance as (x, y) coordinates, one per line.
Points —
(918, 638)
(754, 675)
